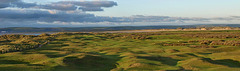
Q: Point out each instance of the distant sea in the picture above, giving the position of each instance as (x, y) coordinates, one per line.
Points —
(26, 33)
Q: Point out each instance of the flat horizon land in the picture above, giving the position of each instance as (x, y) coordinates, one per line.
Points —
(179, 50)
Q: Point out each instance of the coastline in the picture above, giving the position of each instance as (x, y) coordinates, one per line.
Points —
(132, 31)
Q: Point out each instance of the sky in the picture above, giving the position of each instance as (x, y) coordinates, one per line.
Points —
(85, 13)
(177, 8)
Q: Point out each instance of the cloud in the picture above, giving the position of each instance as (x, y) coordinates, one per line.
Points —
(79, 5)
(70, 18)
(3, 5)
(61, 5)
(91, 8)
(6, 3)
(45, 15)
(73, 13)
(91, 3)
(15, 3)
(21, 4)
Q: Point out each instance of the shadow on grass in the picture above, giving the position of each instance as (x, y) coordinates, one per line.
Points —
(205, 53)
(164, 60)
(89, 62)
(225, 62)
(181, 69)
(51, 47)
(191, 54)
(18, 62)
(52, 54)
(2, 57)
(84, 38)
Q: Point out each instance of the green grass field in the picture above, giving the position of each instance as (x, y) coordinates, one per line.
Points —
(160, 51)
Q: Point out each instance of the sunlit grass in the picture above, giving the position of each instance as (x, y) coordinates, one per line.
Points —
(89, 52)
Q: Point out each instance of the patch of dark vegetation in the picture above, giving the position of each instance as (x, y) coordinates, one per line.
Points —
(181, 55)
(180, 69)
(191, 54)
(140, 52)
(12, 62)
(164, 60)
(205, 53)
(91, 62)
(225, 62)
(187, 55)
(54, 55)
(18, 62)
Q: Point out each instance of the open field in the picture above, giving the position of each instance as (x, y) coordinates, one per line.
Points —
(148, 51)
